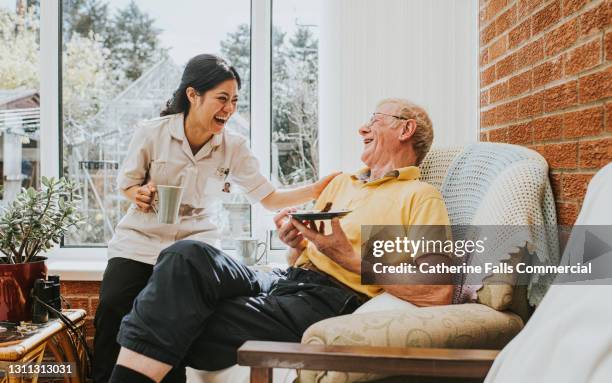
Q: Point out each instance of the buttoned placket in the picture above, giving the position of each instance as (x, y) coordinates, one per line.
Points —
(193, 170)
(364, 185)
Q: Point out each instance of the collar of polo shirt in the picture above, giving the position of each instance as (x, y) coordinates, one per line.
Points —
(407, 173)
(177, 130)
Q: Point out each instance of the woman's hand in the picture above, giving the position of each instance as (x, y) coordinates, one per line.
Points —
(320, 185)
(144, 197)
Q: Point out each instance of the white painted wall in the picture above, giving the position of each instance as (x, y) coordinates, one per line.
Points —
(423, 50)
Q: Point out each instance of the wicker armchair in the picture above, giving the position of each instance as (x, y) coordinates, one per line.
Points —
(482, 184)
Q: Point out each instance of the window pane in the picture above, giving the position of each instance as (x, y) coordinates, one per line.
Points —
(295, 126)
(19, 97)
(295, 38)
(121, 61)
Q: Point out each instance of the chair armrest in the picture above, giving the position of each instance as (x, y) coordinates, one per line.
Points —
(437, 362)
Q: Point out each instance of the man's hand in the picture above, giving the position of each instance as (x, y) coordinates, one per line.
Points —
(317, 187)
(335, 245)
(289, 235)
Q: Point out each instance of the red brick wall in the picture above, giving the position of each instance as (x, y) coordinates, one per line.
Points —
(83, 295)
(546, 83)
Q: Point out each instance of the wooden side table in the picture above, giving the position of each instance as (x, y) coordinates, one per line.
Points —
(54, 337)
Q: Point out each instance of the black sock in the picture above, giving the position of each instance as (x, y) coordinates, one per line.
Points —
(122, 374)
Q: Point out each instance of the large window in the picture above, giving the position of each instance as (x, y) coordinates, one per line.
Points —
(19, 97)
(121, 61)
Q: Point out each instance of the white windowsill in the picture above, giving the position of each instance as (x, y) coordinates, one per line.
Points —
(88, 264)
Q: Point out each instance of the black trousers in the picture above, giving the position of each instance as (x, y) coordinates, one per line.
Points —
(200, 306)
(122, 281)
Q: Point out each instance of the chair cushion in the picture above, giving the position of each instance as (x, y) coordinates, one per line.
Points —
(468, 325)
(385, 302)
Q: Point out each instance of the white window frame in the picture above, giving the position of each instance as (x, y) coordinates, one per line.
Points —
(88, 263)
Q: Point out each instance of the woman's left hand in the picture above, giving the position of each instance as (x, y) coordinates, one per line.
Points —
(317, 187)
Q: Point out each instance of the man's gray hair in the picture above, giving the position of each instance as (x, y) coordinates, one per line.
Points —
(423, 136)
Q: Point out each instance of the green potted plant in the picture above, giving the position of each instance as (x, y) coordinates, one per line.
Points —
(30, 225)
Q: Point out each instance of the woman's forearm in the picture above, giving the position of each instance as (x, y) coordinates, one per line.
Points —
(285, 198)
(131, 193)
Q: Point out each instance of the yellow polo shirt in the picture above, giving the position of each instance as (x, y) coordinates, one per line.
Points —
(398, 198)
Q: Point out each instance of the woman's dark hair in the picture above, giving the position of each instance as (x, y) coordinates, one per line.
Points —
(203, 73)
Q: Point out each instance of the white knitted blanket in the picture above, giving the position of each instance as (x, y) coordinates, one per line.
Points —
(502, 185)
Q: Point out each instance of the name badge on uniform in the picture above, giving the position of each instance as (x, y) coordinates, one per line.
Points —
(222, 172)
(221, 184)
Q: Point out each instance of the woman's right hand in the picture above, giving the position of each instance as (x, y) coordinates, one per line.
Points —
(144, 197)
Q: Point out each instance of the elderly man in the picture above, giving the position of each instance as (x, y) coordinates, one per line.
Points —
(200, 305)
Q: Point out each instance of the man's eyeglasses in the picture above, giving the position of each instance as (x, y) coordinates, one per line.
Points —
(376, 117)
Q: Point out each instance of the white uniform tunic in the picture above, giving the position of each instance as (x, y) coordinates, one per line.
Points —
(159, 152)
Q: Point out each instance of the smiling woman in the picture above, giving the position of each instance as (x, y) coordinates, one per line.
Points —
(109, 84)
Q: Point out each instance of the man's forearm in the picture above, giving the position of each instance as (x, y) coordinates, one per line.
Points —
(426, 289)
(422, 295)
(348, 260)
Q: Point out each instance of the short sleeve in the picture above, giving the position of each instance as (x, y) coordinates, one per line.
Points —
(432, 211)
(428, 221)
(245, 173)
(135, 166)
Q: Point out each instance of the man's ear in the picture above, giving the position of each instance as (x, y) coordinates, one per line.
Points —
(408, 129)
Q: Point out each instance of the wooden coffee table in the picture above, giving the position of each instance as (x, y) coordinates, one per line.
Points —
(28, 353)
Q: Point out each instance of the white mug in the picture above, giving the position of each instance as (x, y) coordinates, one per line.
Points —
(168, 203)
(247, 249)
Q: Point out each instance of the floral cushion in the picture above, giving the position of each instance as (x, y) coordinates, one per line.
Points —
(469, 325)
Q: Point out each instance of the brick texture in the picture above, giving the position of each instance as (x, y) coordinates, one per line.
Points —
(596, 86)
(546, 83)
(547, 72)
(596, 19)
(526, 7)
(530, 106)
(561, 38)
(519, 34)
(609, 117)
(584, 57)
(519, 84)
(608, 46)
(595, 154)
(505, 21)
(575, 186)
(588, 122)
(547, 128)
(547, 17)
(571, 6)
(561, 96)
(83, 295)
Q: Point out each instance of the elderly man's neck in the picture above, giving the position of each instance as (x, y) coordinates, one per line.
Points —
(401, 160)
